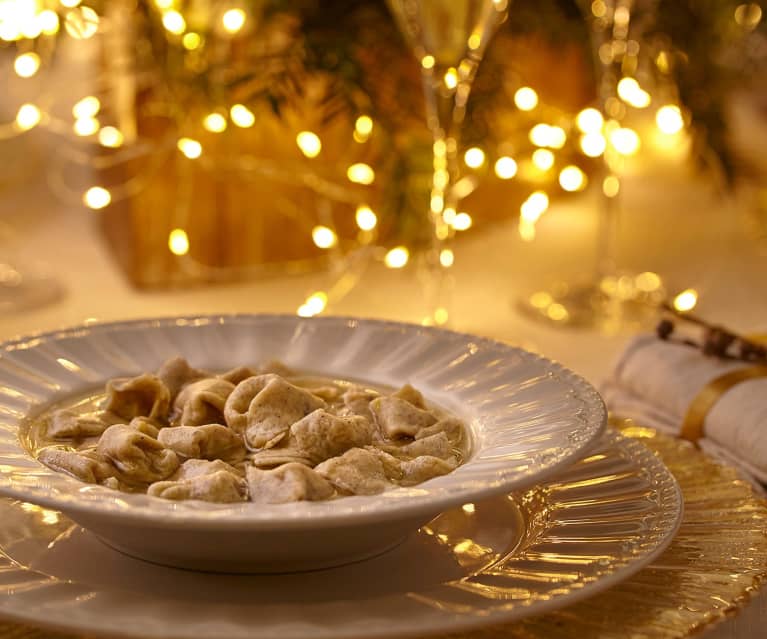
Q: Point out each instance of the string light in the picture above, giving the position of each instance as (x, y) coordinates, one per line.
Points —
(27, 117)
(97, 197)
(631, 93)
(462, 222)
(191, 41)
(543, 159)
(363, 127)
(324, 237)
(397, 257)
(590, 121)
(593, 144)
(451, 78)
(365, 217)
(242, 116)
(48, 21)
(190, 148)
(214, 122)
(474, 157)
(174, 22)
(534, 206)
(233, 20)
(505, 167)
(111, 137)
(526, 99)
(81, 23)
(314, 305)
(446, 258)
(88, 107)
(611, 186)
(178, 242)
(669, 119)
(686, 300)
(625, 140)
(571, 178)
(361, 173)
(86, 126)
(309, 143)
(27, 64)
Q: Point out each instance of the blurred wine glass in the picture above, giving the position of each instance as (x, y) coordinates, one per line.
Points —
(612, 299)
(448, 38)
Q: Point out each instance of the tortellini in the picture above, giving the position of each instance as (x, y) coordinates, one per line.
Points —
(264, 434)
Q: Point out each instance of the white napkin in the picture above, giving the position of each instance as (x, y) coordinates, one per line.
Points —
(654, 382)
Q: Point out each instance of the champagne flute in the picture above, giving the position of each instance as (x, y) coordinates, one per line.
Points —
(448, 38)
(612, 300)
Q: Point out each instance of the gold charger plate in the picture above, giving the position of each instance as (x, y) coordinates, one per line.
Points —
(716, 561)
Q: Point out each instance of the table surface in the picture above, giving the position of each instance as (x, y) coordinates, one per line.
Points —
(674, 223)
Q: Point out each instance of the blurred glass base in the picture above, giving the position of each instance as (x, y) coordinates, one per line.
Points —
(25, 287)
(614, 304)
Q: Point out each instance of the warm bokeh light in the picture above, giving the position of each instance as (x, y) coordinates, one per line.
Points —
(190, 148)
(626, 141)
(441, 315)
(593, 144)
(233, 20)
(361, 173)
(633, 94)
(86, 126)
(174, 22)
(526, 99)
(686, 300)
(474, 157)
(446, 258)
(427, 62)
(534, 206)
(669, 119)
(611, 186)
(81, 23)
(505, 167)
(363, 125)
(748, 15)
(27, 64)
(111, 137)
(397, 257)
(462, 222)
(547, 135)
(543, 159)
(178, 242)
(648, 281)
(97, 197)
(309, 143)
(590, 120)
(214, 122)
(571, 178)
(48, 21)
(451, 78)
(242, 116)
(314, 304)
(191, 41)
(365, 217)
(324, 237)
(28, 116)
(69, 4)
(88, 107)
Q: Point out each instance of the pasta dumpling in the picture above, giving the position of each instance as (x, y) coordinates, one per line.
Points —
(290, 482)
(142, 396)
(321, 435)
(201, 402)
(265, 407)
(220, 486)
(397, 417)
(137, 457)
(211, 441)
(66, 423)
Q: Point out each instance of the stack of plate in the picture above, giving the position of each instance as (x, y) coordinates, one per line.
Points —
(549, 508)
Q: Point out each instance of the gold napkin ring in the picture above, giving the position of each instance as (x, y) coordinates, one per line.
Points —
(692, 426)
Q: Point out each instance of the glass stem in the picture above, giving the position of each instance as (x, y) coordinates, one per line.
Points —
(446, 94)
